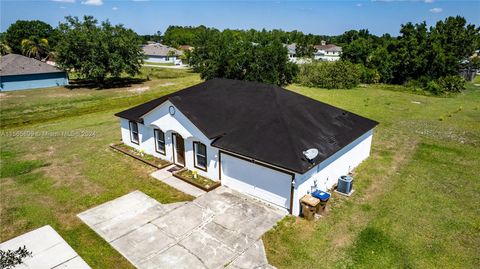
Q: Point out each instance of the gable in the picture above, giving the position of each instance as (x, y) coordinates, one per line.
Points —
(161, 118)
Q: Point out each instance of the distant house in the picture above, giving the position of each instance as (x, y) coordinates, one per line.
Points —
(18, 72)
(329, 53)
(158, 53)
(292, 54)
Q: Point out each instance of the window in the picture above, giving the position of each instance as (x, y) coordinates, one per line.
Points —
(159, 141)
(200, 155)
(167, 58)
(133, 132)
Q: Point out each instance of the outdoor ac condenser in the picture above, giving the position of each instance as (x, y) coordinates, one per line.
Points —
(345, 184)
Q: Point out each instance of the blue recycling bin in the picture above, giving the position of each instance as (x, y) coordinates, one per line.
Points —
(323, 196)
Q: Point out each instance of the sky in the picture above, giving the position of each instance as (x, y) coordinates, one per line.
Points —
(314, 16)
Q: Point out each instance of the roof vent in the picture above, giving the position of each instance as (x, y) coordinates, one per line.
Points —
(310, 154)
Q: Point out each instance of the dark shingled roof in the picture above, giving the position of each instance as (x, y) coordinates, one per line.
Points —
(14, 64)
(263, 122)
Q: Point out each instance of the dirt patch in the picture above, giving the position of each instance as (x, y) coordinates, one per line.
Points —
(5, 96)
(166, 84)
(139, 89)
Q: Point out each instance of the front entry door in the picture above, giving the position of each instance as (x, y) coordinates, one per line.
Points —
(179, 152)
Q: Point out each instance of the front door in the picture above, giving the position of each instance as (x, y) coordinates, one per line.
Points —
(179, 149)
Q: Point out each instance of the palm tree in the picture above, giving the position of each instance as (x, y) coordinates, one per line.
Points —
(4, 48)
(30, 48)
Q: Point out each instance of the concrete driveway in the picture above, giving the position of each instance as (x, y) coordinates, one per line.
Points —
(219, 229)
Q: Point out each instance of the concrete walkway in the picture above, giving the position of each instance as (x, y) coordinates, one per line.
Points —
(220, 229)
(48, 248)
(166, 177)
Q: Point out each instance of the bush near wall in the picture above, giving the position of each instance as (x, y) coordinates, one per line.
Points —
(330, 75)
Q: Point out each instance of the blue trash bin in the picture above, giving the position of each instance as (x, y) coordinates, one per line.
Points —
(323, 196)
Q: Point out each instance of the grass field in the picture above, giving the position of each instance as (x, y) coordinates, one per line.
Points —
(416, 203)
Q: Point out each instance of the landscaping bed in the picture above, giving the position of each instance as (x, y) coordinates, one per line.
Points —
(201, 182)
(146, 158)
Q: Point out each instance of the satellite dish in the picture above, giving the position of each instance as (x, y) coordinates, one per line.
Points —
(310, 154)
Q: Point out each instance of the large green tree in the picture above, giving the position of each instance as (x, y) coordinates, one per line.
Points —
(227, 55)
(31, 30)
(97, 50)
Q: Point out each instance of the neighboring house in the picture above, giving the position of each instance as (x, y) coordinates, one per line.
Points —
(292, 55)
(292, 52)
(158, 53)
(18, 72)
(251, 137)
(329, 53)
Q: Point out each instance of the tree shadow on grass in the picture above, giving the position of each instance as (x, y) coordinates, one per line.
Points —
(108, 83)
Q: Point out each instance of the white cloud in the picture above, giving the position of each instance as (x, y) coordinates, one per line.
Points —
(428, 1)
(93, 2)
(114, 8)
(358, 5)
(64, 1)
(436, 10)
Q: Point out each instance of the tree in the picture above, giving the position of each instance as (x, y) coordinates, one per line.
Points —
(96, 50)
(4, 48)
(35, 49)
(227, 55)
(20, 30)
(10, 258)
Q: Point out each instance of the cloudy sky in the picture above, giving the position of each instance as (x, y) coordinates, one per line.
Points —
(314, 16)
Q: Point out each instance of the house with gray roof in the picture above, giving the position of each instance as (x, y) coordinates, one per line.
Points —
(327, 52)
(159, 53)
(18, 72)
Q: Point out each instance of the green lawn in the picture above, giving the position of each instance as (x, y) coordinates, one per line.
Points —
(416, 201)
(417, 196)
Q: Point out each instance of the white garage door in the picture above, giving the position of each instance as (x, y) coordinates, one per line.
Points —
(259, 181)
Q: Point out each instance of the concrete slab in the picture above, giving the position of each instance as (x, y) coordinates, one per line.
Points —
(220, 228)
(166, 177)
(249, 218)
(213, 252)
(183, 220)
(48, 248)
(175, 257)
(234, 240)
(253, 257)
(142, 243)
(123, 215)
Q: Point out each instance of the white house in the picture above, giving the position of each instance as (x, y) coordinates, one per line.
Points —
(251, 137)
(329, 53)
(158, 53)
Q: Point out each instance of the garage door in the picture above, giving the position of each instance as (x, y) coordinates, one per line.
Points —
(259, 181)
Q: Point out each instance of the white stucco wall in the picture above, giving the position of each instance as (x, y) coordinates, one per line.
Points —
(161, 59)
(326, 173)
(160, 118)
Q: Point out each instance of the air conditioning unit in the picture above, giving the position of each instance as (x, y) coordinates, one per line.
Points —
(345, 184)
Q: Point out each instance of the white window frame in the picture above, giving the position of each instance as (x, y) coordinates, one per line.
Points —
(156, 132)
(196, 154)
(134, 133)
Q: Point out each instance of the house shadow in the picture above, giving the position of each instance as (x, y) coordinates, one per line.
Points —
(108, 83)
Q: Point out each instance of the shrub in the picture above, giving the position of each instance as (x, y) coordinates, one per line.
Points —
(330, 75)
(448, 84)
(368, 75)
(452, 84)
